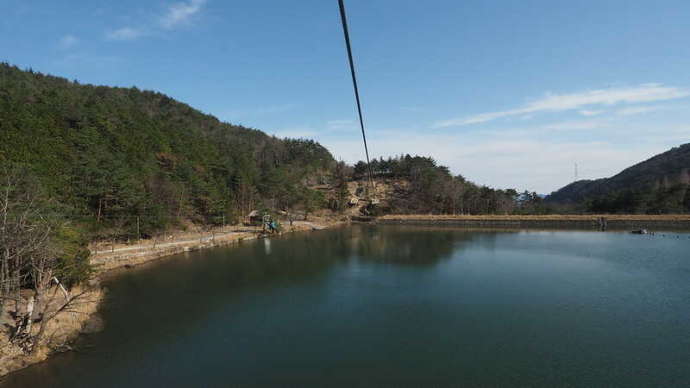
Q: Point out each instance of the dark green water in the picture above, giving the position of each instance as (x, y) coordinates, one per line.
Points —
(396, 306)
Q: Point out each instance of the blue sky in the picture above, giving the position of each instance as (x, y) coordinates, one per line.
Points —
(506, 93)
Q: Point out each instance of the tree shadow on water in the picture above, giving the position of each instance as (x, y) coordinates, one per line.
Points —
(413, 246)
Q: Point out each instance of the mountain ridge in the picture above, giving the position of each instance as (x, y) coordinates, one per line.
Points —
(643, 187)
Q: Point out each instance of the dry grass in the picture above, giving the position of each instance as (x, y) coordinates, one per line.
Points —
(60, 331)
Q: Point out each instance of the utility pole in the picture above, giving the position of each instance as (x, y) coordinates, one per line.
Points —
(575, 172)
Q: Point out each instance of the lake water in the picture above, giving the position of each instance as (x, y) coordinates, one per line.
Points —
(396, 306)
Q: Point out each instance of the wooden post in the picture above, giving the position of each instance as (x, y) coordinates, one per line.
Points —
(138, 235)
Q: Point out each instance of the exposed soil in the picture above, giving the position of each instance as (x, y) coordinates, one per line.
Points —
(60, 331)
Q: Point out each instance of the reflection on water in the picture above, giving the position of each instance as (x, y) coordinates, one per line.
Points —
(395, 306)
(423, 246)
(267, 245)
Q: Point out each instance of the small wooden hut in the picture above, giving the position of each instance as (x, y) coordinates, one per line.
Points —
(253, 218)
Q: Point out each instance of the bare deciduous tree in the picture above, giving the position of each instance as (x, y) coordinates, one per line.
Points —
(24, 232)
(29, 258)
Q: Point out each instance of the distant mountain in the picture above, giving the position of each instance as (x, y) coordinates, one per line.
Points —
(659, 184)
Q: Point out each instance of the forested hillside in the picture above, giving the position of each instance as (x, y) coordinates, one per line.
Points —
(431, 188)
(657, 185)
(80, 163)
(107, 156)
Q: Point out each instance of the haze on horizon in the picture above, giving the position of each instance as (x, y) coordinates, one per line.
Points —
(506, 94)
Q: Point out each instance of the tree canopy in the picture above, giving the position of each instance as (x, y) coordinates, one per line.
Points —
(433, 189)
(113, 155)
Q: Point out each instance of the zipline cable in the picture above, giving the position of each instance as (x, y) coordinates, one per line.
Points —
(343, 19)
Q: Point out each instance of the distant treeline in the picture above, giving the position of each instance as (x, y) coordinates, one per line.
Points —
(670, 200)
(433, 189)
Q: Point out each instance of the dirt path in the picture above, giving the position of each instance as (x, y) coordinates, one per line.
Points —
(309, 225)
(162, 245)
(107, 257)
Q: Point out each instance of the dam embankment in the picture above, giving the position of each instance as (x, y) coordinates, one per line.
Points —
(599, 222)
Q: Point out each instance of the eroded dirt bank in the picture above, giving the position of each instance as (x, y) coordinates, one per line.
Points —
(79, 316)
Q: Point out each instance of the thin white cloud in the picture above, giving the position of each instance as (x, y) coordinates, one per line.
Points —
(636, 110)
(575, 125)
(175, 15)
(68, 41)
(523, 163)
(538, 158)
(180, 13)
(563, 102)
(339, 125)
(586, 112)
(125, 33)
(545, 166)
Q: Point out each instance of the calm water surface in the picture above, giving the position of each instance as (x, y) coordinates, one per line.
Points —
(396, 306)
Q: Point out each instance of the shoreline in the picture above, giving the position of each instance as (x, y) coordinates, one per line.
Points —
(127, 256)
(61, 332)
(594, 222)
(111, 262)
(72, 324)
